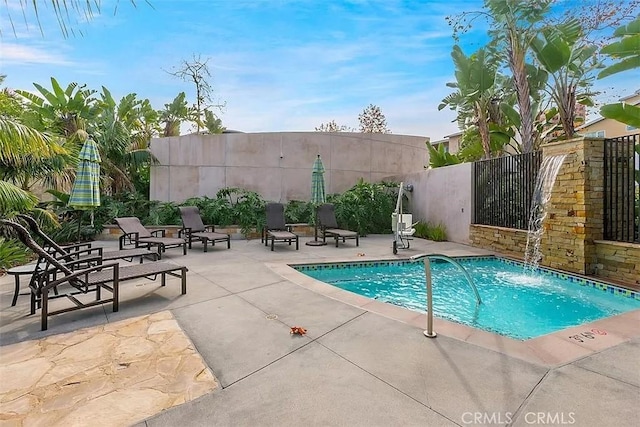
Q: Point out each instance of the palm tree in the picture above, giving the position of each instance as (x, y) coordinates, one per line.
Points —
(212, 123)
(122, 131)
(20, 147)
(569, 63)
(18, 144)
(174, 114)
(63, 111)
(66, 12)
(513, 28)
(475, 95)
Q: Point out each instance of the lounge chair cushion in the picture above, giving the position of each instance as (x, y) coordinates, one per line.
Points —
(341, 233)
(282, 235)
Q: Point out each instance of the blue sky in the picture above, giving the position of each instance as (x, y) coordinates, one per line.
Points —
(280, 65)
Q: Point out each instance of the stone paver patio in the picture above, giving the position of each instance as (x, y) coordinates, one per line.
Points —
(114, 374)
(362, 362)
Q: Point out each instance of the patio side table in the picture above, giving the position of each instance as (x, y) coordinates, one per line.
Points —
(21, 270)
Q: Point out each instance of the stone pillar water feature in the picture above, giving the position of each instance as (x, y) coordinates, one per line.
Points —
(575, 209)
(573, 228)
(539, 208)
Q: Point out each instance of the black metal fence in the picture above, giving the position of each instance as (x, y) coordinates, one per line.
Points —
(503, 189)
(621, 199)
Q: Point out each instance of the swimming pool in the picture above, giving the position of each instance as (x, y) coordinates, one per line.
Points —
(514, 304)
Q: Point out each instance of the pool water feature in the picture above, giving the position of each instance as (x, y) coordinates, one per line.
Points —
(514, 303)
(541, 195)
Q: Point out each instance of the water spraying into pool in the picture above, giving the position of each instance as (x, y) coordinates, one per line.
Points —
(541, 195)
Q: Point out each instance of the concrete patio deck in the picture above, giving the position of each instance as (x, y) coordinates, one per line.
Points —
(362, 362)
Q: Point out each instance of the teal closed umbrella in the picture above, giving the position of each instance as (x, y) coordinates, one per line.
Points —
(85, 194)
(317, 182)
(317, 194)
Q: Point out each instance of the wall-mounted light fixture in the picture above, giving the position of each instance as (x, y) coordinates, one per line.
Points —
(408, 187)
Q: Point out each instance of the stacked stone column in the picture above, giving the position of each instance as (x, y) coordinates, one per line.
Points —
(575, 210)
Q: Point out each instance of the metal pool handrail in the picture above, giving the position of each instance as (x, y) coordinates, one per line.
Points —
(457, 264)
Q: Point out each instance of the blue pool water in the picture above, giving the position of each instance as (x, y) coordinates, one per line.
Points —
(514, 303)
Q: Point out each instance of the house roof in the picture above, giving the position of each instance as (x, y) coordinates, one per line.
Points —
(599, 119)
(454, 134)
(590, 122)
(633, 95)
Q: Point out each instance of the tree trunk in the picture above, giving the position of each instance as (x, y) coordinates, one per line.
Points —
(483, 128)
(523, 93)
(567, 111)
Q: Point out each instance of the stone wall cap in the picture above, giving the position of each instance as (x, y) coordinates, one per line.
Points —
(495, 227)
(622, 244)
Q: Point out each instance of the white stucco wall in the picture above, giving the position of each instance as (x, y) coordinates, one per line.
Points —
(278, 165)
(442, 195)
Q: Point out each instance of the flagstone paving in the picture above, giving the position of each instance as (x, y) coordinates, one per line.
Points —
(113, 374)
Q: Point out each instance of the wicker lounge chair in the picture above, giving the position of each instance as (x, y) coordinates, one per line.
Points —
(73, 252)
(275, 229)
(51, 273)
(329, 225)
(194, 228)
(135, 233)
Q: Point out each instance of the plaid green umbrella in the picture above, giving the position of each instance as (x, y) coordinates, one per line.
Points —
(317, 194)
(85, 193)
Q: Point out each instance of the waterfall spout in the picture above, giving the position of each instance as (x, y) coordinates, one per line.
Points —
(541, 195)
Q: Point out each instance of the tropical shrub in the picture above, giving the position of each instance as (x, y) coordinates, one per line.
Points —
(248, 208)
(297, 212)
(12, 253)
(365, 207)
(121, 205)
(71, 231)
(438, 157)
(164, 213)
(216, 211)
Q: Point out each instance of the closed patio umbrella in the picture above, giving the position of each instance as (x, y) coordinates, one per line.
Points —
(85, 194)
(317, 195)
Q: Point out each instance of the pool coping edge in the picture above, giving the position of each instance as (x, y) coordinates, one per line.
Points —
(556, 348)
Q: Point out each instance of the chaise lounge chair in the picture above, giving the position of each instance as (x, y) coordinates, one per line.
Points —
(136, 233)
(275, 228)
(72, 252)
(194, 228)
(329, 225)
(51, 273)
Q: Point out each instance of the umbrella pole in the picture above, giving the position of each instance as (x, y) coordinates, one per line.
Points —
(315, 241)
(79, 225)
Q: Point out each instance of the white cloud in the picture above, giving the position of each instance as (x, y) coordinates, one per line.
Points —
(23, 54)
